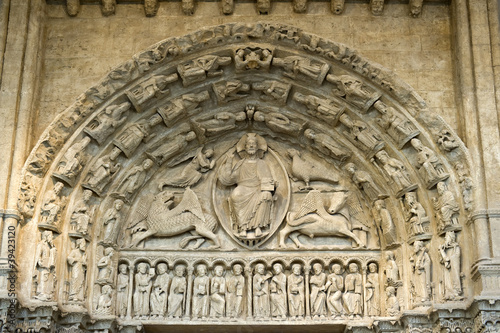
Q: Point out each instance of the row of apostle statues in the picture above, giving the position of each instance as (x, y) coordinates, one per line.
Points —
(264, 293)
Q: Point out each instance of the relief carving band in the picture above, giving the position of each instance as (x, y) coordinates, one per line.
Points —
(251, 187)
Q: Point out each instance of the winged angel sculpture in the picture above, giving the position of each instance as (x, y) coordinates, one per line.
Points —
(156, 217)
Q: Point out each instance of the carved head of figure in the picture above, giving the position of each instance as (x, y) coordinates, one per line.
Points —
(377, 7)
(162, 268)
(389, 256)
(86, 195)
(190, 136)
(81, 243)
(251, 145)
(201, 270)
(142, 268)
(337, 6)
(417, 246)
(317, 268)
(147, 164)
(260, 269)
(237, 269)
(58, 187)
(450, 238)
(118, 204)
(382, 156)
(390, 291)
(379, 205)
(180, 270)
(296, 269)
(441, 188)
(310, 134)
(350, 168)
(209, 153)
(47, 236)
(122, 268)
(219, 270)
(107, 290)
(417, 144)
(108, 251)
(277, 268)
(336, 269)
(353, 268)
(372, 268)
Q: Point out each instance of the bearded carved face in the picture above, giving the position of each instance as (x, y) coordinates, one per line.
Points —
(377, 6)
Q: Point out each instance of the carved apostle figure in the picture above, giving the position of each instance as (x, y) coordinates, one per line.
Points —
(45, 265)
(396, 170)
(218, 293)
(52, 205)
(277, 288)
(326, 109)
(136, 133)
(391, 270)
(353, 288)
(421, 267)
(392, 303)
(107, 122)
(104, 265)
(383, 219)
(193, 171)
(177, 293)
(77, 261)
(82, 213)
(201, 292)
(327, 145)
(446, 207)
(105, 300)
(199, 69)
(362, 135)
(133, 180)
(111, 220)
(296, 291)
(415, 214)
(102, 171)
(251, 201)
(260, 283)
(431, 168)
(122, 282)
(399, 128)
(335, 287)
(180, 106)
(365, 182)
(318, 291)
(372, 288)
(235, 285)
(142, 292)
(450, 257)
(159, 293)
(219, 123)
(171, 147)
(72, 161)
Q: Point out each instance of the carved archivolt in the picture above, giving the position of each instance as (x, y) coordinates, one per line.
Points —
(188, 182)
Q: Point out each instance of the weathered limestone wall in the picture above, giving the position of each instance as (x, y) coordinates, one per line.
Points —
(80, 50)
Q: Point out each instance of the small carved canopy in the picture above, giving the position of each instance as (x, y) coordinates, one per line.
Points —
(300, 60)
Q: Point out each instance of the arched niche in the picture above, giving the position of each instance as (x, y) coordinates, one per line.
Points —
(339, 132)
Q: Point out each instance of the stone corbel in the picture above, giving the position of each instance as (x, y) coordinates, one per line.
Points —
(73, 7)
(108, 7)
(151, 7)
(416, 7)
